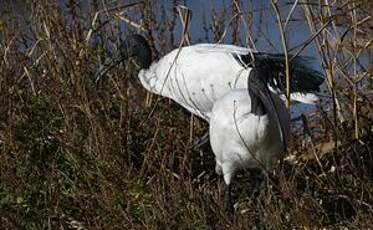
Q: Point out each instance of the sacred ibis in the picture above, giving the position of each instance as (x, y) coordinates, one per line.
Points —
(249, 129)
(196, 76)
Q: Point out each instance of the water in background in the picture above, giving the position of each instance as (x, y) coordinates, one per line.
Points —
(264, 28)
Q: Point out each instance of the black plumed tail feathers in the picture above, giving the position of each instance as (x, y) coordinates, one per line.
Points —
(302, 77)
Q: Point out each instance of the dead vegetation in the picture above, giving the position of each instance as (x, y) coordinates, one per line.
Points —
(73, 155)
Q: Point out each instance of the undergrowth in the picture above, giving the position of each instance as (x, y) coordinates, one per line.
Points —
(77, 155)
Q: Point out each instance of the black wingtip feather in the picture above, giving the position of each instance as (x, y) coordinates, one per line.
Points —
(303, 78)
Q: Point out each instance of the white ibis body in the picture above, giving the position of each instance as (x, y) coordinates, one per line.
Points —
(198, 75)
(248, 129)
(241, 139)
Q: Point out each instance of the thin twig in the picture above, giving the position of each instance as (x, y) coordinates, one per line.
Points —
(284, 45)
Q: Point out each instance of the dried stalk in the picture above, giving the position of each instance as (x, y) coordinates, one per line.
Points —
(284, 45)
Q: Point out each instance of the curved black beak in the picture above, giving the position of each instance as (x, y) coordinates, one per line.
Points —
(134, 47)
(262, 97)
(107, 66)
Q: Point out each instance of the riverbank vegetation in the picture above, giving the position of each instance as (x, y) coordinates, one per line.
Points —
(112, 156)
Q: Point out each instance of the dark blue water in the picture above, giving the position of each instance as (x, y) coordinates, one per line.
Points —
(265, 30)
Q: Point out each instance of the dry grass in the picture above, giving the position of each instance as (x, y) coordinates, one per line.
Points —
(76, 155)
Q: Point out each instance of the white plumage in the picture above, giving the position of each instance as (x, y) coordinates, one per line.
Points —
(243, 140)
(249, 124)
(193, 76)
(197, 77)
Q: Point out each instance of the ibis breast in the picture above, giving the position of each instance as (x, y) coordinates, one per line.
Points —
(242, 138)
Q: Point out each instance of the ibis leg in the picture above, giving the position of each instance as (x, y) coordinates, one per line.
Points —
(259, 205)
(228, 203)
